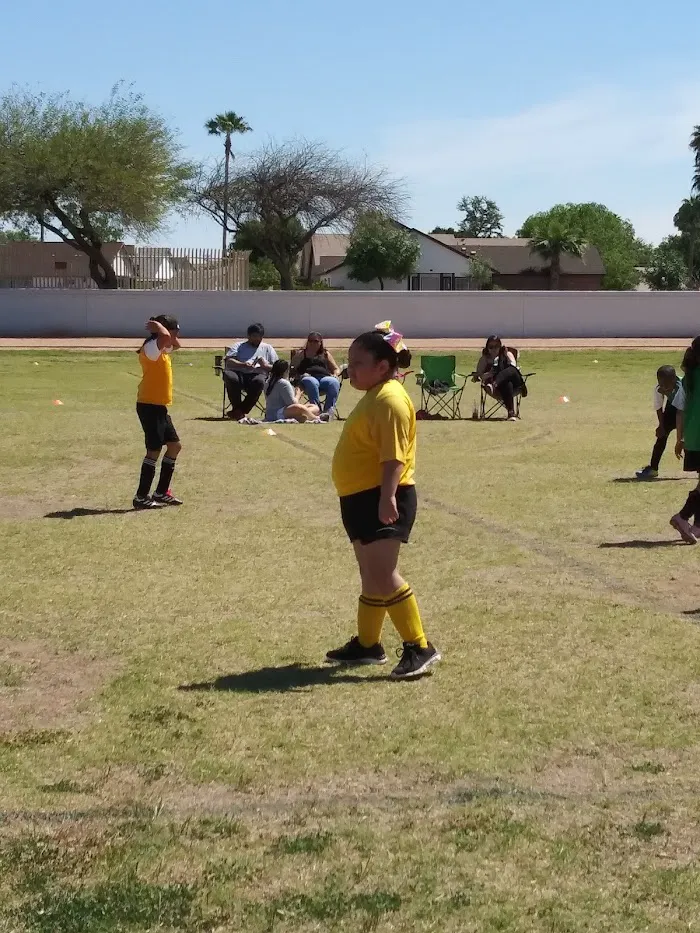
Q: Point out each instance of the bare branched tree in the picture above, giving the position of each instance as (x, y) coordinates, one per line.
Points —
(280, 196)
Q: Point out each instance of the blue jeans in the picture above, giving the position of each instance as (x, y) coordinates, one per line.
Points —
(315, 388)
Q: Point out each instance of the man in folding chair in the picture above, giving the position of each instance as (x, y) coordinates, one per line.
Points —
(502, 383)
(246, 367)
(441, 393)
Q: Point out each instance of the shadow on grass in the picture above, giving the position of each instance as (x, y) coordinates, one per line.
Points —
(650, 482)
(691, 612)
(82, 513)
(281, 679)
(215, 418)
(640, 545)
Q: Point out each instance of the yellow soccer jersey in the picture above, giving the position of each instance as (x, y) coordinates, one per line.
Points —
(381, 428)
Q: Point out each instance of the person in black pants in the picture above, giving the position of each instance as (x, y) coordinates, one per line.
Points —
(246, 368)
(666, 390)
(500, 375)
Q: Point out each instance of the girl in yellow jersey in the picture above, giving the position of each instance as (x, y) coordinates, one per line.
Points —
(155, 393)
(373, 472)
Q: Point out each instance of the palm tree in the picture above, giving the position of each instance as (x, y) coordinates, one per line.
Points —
(225, 124)
(695, 146)
(687, 220)
(551, 243)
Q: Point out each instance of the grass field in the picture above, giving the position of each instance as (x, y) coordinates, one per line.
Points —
(173, 755)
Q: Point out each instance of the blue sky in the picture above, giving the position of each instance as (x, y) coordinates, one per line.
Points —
(528, 105)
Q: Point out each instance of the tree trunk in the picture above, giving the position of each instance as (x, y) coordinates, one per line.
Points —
(554, 272)
(286, 276)
(381, 283)
(101, 271)
(227, 148)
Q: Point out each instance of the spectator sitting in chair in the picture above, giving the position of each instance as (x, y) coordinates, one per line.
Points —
(499, 374)
(246, 368)
(318, 372)
(282, 399)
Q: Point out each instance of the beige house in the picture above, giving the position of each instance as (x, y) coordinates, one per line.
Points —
(439, 267)
(516, 267)
(445, 264)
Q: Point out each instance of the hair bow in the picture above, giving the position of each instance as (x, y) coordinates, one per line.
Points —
(392, 337)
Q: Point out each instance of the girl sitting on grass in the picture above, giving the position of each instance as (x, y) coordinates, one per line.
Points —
(373, 472)
(687, 404)
(282, 399)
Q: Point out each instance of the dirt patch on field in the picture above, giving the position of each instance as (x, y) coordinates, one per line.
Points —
(42, 689)
(20, 508)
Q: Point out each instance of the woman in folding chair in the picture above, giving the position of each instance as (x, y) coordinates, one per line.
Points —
(499, 374)
(317, 372)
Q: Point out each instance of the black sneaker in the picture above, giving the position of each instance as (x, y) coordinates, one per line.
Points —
(415, 661)
(166, 498)
(145, 502)
(354, 653)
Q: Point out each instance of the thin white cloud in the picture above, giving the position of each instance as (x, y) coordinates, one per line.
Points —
(629, 145)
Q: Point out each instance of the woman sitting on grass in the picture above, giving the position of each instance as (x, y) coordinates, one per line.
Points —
(282, 399)
(499, 374)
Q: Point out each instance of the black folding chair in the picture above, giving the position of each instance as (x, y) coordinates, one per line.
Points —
(226, 406)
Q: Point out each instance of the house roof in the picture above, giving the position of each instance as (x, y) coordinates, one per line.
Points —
(328, 250)
(512, 255)
(24, 258)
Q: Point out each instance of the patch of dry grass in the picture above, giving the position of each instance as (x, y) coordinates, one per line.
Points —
(174, 756)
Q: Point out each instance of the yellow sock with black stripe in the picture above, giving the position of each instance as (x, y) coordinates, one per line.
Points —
(402, 607)
(370, 619)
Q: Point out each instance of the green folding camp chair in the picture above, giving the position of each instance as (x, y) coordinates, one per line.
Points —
(441, 392)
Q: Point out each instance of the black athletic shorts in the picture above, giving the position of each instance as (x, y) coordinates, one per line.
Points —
(156, 424)
(691, 461)
(360, 514)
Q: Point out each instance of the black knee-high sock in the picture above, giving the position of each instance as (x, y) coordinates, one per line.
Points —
(148, 471)
(166, 474)
(692, 506)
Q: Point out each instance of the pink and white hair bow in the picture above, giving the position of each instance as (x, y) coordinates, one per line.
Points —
(392, 337)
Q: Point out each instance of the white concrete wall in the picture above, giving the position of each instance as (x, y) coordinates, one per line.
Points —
(93, 313)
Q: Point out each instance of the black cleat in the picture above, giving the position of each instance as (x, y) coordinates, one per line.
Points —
(415, 661)
(355, 653)
(141, 503)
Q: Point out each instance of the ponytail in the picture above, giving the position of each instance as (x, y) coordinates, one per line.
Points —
(375, 343)
(279, 371)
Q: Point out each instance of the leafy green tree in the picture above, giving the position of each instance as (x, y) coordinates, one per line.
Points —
(452, 230)
(226, 124)
(379, 249)
(80, 169)
(263, 275)
(667, 270)
(482, 218)
(13, 235)
(695, 146)
(598, 226)
(481, 272)
(283, 194)
(687, 221)
(551, 242)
